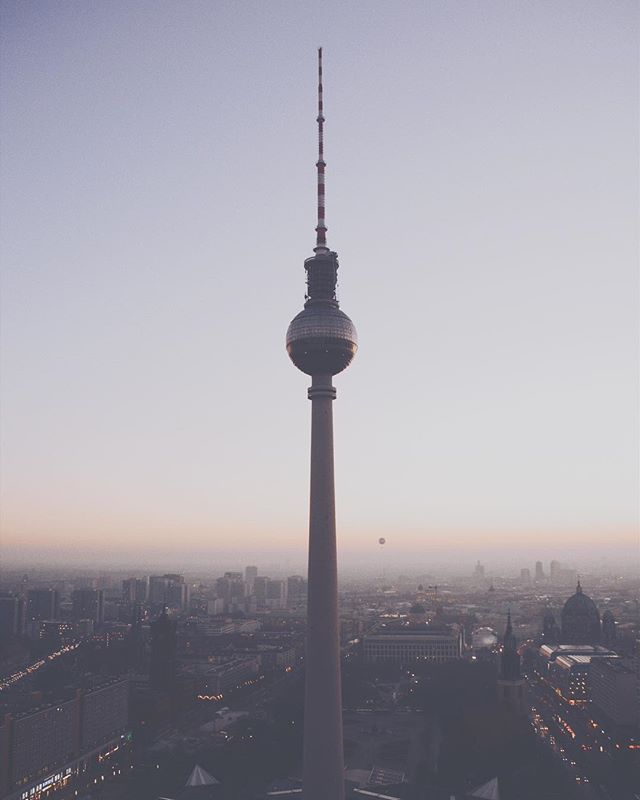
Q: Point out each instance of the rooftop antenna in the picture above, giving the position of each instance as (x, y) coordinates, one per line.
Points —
(321, 228)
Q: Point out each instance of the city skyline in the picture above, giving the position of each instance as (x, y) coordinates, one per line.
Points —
(545, 665)
(156, 199)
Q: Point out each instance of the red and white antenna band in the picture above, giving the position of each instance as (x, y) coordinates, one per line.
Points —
(321, 229)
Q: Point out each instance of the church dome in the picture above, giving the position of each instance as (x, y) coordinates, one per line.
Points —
(580, 619)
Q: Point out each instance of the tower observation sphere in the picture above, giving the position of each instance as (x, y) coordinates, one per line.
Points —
(321, 339)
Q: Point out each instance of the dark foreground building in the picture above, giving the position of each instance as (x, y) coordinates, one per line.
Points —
(56, 744)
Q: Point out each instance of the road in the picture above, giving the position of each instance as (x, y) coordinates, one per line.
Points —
(10, 680)
(575, 738)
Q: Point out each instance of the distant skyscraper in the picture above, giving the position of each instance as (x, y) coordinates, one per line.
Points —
(321, 342)
(134, 590)
(232, 589)
(510, 682)
(169, 590)
(277, 594)
(540, 576)
(260, 584)
(250, 574)
(9, 616)
(43, 604)
(157, 589)
(525, 577)
(296, 589)
(88, 604)
(478, 571)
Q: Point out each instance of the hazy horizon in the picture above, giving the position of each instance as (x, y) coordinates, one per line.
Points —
(370, 561)
(158, 203)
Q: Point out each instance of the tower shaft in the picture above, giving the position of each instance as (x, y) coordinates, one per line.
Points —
(323, 777)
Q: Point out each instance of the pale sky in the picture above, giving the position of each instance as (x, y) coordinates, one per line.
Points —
(157, 206)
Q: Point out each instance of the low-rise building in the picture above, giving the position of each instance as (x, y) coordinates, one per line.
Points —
(208, 680)
(567, 667)
(406, 646)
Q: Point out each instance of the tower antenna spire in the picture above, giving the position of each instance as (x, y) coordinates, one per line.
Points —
(321, 228)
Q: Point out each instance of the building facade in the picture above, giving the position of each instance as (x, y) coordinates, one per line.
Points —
(405, 647)
(47, 746)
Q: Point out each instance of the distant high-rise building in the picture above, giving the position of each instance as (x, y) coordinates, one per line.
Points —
(260, 585)
(177, 595)
(162, 666)
(540, 576)
(250, 574)
(88, 604)
(296, 589)
(43, 604)
(9, 616)
(525, 576)
(168, 590)
(561, 575)
(478, 571)
(157, 589)
(231, 588)
(134, 590)
(215, 607)
(510, 682)
(276, 594)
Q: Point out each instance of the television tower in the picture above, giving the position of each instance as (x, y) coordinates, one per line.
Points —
(321, 341)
